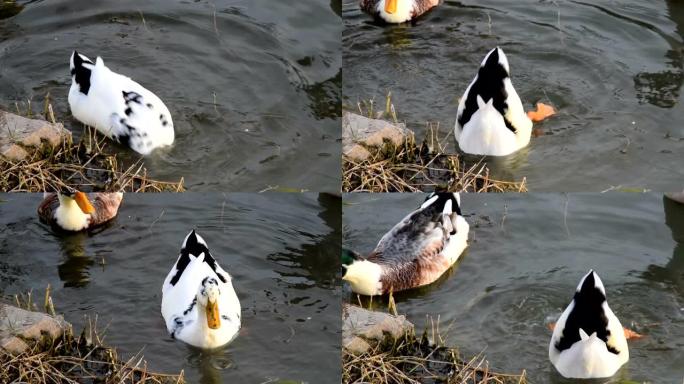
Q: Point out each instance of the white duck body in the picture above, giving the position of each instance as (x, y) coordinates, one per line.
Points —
(491, 119)
(416, 251)
(117, 106)
(588, 340)
(194, 282)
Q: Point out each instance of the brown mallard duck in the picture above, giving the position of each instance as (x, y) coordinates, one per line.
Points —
(76, 211)
(416, 252)
(397, 11)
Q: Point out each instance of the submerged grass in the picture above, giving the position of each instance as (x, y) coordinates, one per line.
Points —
(410, 167)
(88, 165)
(71, 360)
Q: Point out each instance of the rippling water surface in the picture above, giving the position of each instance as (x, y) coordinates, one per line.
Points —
(614, 69)
(526, 256)
(281, 249)
(253, 85)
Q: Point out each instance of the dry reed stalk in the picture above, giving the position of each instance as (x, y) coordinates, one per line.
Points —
(86, 165)
(410, 360)
(413, 360)
(380, 173)
(72, 360)
(412, 168)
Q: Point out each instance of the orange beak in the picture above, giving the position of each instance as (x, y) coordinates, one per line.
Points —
(213, 316)
(391, 6)
(83, 202)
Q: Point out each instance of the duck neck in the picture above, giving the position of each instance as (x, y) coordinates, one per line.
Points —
(69, 215)
(202, 318)
(364, 277)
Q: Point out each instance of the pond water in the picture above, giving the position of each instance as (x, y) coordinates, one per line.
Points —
(613, 69)
(281, 249)
(253, 85)
(526, 256)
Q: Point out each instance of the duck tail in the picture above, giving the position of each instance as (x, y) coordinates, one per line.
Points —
(494, 62)
(490, 78)
(444, 202)
(591, 285)
(489, 86)
(194, 244)
(77, 60)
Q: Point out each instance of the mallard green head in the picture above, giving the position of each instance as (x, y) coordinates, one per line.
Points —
(348, 256)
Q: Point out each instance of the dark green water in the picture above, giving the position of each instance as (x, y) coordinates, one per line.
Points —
(253, 85)
(525, 259)
(281, 249)
(614, 69)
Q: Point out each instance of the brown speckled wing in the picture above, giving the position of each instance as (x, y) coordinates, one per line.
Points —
(422, 6)
(106, 206)
(423, 269)
(410, 252)
(369, 6)
(47, 207)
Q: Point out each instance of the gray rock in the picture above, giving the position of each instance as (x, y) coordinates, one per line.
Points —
(19, 328)
(363, 329)
(18, 133)
(359, 131)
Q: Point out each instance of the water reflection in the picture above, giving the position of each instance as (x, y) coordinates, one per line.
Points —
(336, 6)
(662, 88)
(77, 259)
(671, 273)
(9, 8)
(318, 257)
(73, 270)
(325, 98)
(210, 363)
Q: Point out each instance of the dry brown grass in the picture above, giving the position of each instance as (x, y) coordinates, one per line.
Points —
(72, 360)
(410, 360)
(413, 168)
(88, 165)
(77, 360)
(410, 167)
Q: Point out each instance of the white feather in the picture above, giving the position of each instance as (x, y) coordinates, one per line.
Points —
(104, 108)
(69, 215)
(589, 357)
(364, 277)
(427, 203)
(486, 132)
(402, 15)
(457, 243)
(176, 300)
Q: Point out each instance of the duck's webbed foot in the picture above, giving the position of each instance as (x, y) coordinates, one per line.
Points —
(543, 111)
